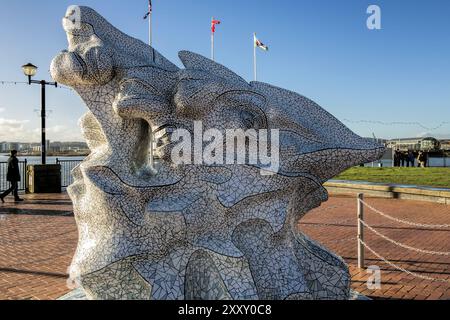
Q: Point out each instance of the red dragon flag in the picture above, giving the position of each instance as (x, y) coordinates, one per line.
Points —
(213, 25)
(259, 44)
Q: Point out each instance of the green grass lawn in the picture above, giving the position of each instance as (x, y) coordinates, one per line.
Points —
(432, 177)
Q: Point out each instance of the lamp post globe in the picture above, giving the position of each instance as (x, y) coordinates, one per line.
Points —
(29, 69)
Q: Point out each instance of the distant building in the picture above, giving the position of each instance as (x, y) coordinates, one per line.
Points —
(25, 147)
(414, 144)
(55, 147)
(6, 147)
(445, 145)
(37, 147)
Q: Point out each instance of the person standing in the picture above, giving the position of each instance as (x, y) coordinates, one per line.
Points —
(411, 158)
(421, 159)
(13, 176)
(397, 158)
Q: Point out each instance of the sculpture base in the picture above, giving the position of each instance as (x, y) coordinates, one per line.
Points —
(78, 294)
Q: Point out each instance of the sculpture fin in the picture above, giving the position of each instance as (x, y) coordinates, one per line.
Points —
(195, 61)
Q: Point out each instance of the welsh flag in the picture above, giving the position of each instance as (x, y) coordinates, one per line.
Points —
(259, 44)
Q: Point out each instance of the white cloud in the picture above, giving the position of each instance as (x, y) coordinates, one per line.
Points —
(25, 131)
(11, 129)
(434, 135)
(2, 109)
(59, 133)
(12, 122)
(58, 129)
(11, 125)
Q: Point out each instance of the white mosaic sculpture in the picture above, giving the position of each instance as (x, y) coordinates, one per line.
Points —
(195, 231)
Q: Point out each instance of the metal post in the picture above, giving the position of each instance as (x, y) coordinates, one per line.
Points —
(212, 40)
(25, 174)
(1, 175)
(43, 142)
(255, 70)
(393, 157)
(212, 48)
(150, 35)
(360, 231)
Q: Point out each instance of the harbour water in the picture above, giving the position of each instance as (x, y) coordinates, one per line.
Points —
(37, 160)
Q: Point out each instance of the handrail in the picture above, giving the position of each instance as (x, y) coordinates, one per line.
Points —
(66, 177)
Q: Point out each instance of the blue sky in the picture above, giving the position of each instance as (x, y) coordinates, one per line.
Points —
(319, 48)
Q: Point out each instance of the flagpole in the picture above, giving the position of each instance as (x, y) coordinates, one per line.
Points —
(212, 40)
(255, 71)
(152, 136)
(150, 40)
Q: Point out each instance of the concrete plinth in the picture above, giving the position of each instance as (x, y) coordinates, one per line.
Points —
(44, 178)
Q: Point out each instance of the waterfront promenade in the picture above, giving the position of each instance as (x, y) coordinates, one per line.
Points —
(38, 239)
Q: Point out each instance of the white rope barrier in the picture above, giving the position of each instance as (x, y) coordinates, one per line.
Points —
(421, 225)
(361, 242)
(414, 274)
(439, 253)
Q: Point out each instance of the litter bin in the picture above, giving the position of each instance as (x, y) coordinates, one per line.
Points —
(44, 178)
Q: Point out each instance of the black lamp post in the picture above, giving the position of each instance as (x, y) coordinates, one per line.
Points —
(30, 71)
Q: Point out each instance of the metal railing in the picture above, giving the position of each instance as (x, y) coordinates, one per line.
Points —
(5, 185)
(66, 171)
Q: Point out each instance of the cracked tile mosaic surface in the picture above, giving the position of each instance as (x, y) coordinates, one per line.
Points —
(195, 231)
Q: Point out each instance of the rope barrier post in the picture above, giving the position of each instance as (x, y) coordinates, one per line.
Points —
(360, 231)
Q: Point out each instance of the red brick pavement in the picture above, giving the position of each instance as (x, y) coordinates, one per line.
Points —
(37, 242)
(38, 239)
